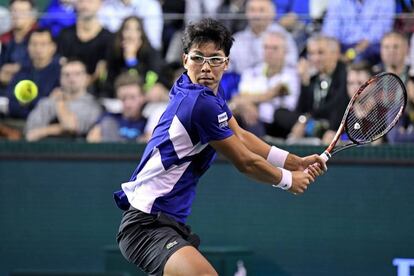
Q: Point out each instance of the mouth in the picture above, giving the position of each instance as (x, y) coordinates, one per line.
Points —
(205, 78)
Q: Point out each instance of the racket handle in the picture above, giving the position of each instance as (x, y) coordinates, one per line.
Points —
(325, 156)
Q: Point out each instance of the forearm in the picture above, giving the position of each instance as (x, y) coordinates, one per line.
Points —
(254, 143)
(43, 132)
(260, 170)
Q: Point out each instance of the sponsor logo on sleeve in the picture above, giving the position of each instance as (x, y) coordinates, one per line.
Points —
(222, 120)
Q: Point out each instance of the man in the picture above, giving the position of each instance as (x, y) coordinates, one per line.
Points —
(69, 111)
(43, 69)
(196, 123)
(394, 53)
(87, 40)
(266, 89)
(248, 46)
(323, 97)
(130, 125)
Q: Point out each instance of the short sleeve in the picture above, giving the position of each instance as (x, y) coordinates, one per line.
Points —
(210, 118)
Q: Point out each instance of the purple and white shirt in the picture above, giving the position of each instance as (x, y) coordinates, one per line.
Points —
(178, 153)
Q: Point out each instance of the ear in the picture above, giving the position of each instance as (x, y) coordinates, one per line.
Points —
(185, 60)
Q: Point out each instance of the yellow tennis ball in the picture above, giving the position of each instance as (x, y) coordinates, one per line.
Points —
(25, 91)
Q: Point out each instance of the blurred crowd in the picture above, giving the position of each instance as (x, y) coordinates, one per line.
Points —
(104, 67)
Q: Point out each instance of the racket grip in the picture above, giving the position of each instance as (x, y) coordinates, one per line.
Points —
(325, 156)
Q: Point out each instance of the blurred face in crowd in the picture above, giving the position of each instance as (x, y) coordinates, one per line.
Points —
(132, 31)
(201, 71)
(132, 100)
(260, 14)
(323, 54)
(274, 50)
(87, 9)
(68, 2)
(23, 15)
(394, 50)
(73, 77)
(41, 49)
(356, 78)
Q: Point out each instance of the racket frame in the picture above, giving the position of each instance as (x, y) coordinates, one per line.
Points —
(331, 150)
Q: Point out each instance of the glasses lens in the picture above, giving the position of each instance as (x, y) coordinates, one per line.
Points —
(197, 59)
(216, 60)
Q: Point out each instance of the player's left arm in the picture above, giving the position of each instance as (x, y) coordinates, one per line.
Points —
(290, 161)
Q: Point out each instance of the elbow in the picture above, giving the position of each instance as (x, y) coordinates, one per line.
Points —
(246, 166)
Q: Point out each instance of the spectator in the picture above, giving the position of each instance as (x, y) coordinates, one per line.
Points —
(394, 54)
(132, 52)
(113, 13)
(87, 40)
(323, 96)
(130, 125)
(412, 55)
(359, 26)
(43, 69)
(357, 75)
(58, 15)
(248, 49)
(268, 89)
(14, 43)
(69, 111)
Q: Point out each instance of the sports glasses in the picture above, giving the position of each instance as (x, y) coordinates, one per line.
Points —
(212, 61)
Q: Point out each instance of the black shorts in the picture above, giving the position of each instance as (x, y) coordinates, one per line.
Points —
(148, 240)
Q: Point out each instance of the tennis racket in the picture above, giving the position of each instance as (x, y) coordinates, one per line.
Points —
(371, 113)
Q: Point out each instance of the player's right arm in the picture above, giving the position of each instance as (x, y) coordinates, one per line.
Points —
(256, 166)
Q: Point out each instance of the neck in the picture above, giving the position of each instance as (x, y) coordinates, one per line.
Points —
(40, 64)
(20, 34)
(397, 69)
(273, 69)
(88, 23)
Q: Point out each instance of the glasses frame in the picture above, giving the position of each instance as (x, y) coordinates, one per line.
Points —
(208, 60)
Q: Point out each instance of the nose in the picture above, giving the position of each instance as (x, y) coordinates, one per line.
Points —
(206, 67)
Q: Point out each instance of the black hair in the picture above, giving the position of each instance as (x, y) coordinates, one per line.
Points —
(42, 30)
(207, 30)
(31, 2)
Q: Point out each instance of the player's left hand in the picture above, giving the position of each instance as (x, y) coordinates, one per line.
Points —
(313, 164)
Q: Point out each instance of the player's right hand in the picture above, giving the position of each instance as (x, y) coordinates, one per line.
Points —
(300, 182)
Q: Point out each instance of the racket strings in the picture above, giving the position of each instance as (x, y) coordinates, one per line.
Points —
(375, 109)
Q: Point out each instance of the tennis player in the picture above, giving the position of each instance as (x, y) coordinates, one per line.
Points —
(196, 124)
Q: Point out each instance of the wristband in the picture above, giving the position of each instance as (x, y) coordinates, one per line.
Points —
(277, 157)
(286, 181)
